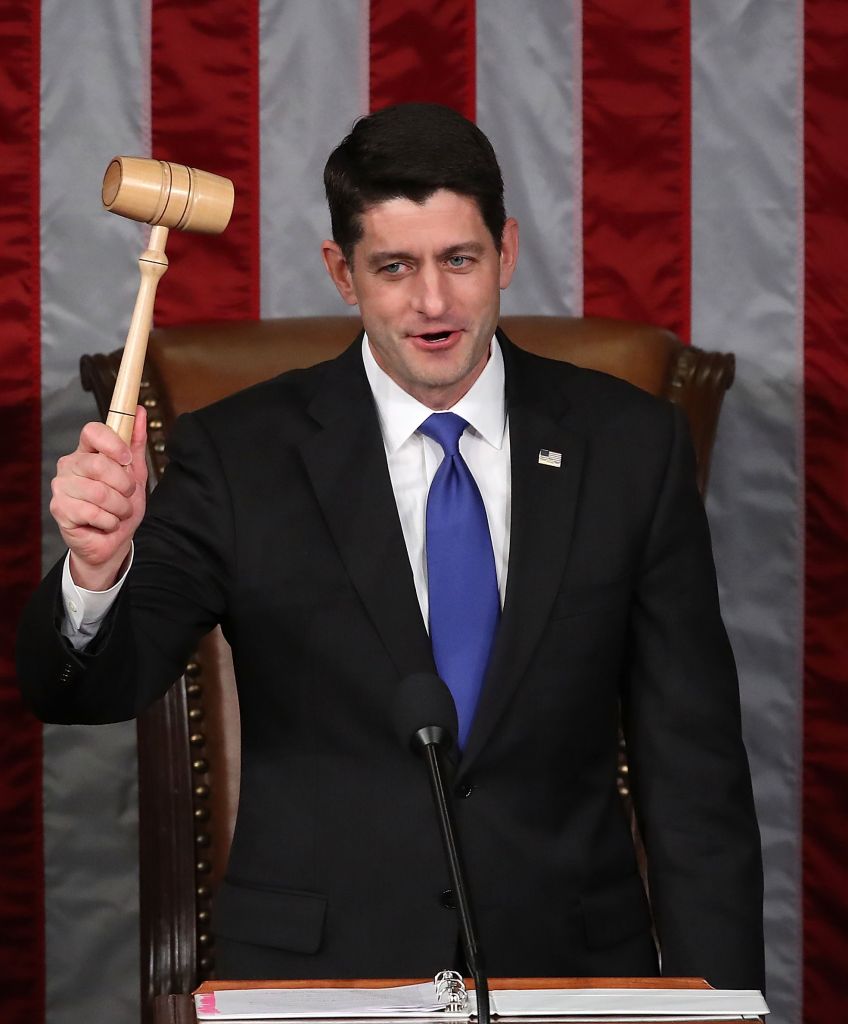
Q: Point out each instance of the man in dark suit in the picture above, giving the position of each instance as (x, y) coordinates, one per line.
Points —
(301, 515)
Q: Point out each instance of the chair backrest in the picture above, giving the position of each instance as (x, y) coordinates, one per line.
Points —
(188, 742)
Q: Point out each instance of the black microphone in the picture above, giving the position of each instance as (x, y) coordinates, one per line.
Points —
(425, 719)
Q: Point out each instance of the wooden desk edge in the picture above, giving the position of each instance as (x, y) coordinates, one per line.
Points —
(494, 983)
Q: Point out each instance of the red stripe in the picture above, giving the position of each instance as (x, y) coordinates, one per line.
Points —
(826, 471)
(423, 51)
(636, 161)
(205, 113)
(21, 846)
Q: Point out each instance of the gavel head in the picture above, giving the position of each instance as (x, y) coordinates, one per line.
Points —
(175, 196)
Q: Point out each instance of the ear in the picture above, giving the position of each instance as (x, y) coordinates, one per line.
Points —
(509, 251)
(339, 271)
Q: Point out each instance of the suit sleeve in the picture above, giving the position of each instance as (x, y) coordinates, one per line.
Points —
(690, 776)
(176, 591)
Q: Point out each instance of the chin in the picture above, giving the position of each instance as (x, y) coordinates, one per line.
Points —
(443, 377)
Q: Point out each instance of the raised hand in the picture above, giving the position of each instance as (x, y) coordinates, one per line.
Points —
(99, 497)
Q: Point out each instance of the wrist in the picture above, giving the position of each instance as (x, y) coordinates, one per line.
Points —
(98, 577)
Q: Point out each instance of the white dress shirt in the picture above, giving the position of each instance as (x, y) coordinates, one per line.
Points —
(412, 460)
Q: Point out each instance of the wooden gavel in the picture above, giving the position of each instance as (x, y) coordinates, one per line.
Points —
(167, 196)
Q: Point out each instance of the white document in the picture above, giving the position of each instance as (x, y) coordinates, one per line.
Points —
(629, 1003)
(587, 1004)
(309, 1003)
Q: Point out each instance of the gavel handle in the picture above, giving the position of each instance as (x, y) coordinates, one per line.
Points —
(152, 264)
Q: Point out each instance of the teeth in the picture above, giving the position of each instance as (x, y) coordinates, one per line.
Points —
(438, 336)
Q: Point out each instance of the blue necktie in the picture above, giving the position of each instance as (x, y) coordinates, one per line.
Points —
(461, 579)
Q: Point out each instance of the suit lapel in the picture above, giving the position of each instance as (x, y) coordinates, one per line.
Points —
(346, 463)
(543, 505)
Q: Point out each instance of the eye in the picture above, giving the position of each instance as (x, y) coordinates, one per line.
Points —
(457, 262)
(393, 268)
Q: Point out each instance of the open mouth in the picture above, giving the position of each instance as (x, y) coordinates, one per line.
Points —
(436, 336)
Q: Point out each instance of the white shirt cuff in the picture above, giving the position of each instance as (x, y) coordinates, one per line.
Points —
(86, 609)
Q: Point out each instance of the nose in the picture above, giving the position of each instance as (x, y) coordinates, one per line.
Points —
(431, 296)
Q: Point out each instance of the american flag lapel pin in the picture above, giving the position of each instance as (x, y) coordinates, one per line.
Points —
(549, 458)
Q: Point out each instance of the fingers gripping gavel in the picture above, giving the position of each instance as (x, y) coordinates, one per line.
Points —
(167, 196)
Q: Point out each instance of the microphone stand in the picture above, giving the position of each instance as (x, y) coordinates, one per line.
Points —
(432, 740)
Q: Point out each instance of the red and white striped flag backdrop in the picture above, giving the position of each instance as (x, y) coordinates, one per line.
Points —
(681, 163)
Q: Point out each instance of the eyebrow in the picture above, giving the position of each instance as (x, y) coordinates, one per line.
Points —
(385, 256)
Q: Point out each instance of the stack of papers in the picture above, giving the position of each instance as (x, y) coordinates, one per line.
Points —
(307, 1003)
(577, 1004)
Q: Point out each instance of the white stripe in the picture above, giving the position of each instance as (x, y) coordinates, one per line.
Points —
(746, 298)
(528, 96)
(311, 91)
(577, 157)
(95, 89)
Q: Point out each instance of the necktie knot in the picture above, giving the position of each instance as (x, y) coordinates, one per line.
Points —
(445, 428)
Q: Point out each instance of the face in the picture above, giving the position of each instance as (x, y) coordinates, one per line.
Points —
(426, 277)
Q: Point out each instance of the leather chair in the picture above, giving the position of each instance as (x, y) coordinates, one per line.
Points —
(188, 742)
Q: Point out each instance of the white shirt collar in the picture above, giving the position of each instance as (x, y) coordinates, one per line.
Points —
(400, 415)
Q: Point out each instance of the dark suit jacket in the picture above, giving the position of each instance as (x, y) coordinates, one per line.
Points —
(276, 517)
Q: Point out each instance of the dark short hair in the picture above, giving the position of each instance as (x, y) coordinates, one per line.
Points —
(411, 151)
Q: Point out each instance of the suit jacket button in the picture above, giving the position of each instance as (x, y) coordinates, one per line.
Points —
(464, 790)
(447, 899)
